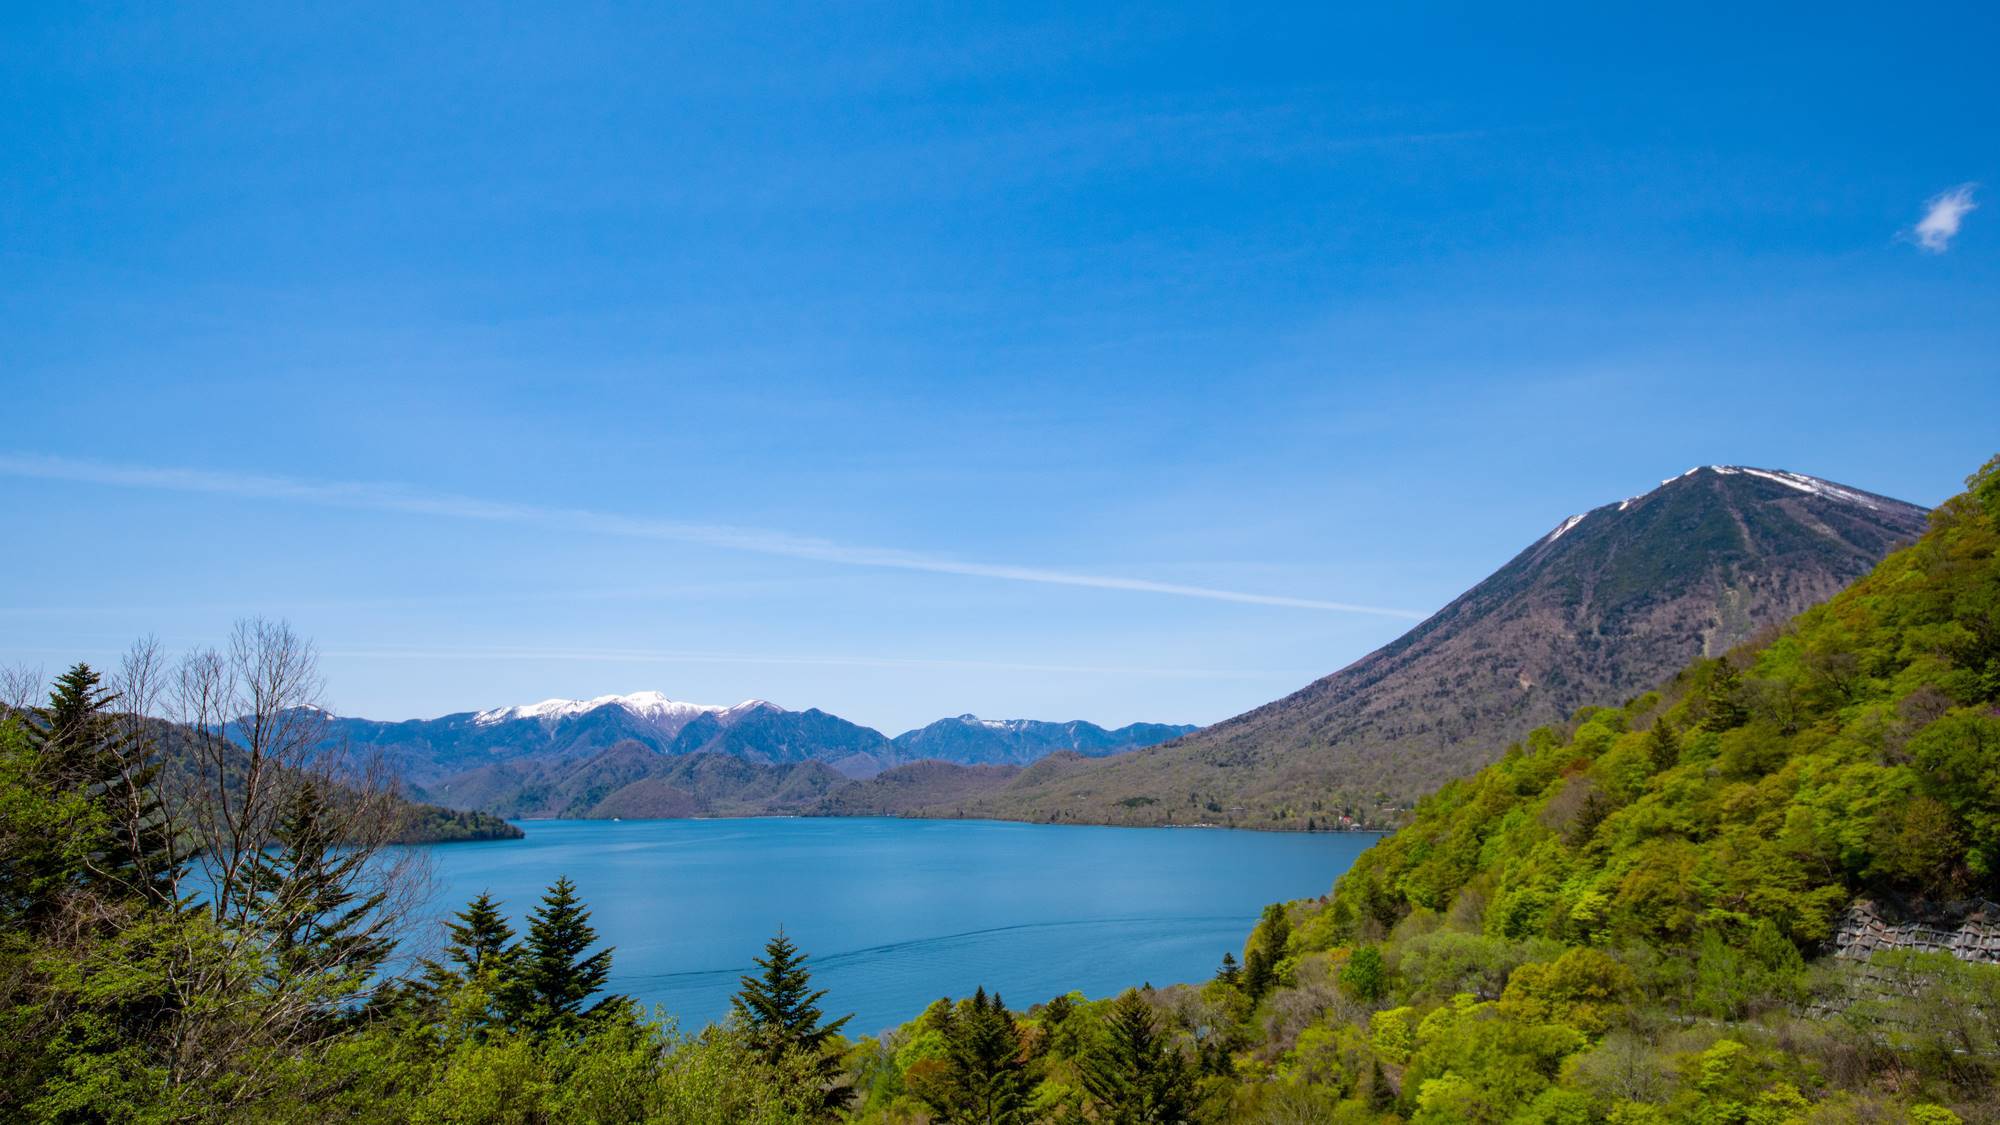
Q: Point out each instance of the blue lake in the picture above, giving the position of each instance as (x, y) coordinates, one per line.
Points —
(896, 913)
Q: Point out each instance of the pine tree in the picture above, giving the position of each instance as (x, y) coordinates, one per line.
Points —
(1663, 746)
(779, 1009)
(986, 1081)
(1230, 973)
(1724, 707)
(1267, 948)
(481, 939)
(551, 978)
(119, 840)
(1259, 973)
(1277, 926)
(305, 895)
(480, 949)
(1134, 1075)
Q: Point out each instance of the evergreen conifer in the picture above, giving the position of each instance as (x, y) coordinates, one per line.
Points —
(1724, 705)
(1663, 745)
(480, 949)
(779, 1009)
(1135, 1075)
(306, 897)
(552, 977)
(1230, 973)
(119, 842)
(984, 1080)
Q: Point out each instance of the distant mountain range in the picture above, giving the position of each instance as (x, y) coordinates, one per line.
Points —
(971, 740)
(564, 757)
(1603, 606)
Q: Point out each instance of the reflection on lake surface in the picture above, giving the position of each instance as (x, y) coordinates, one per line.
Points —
(899, 912)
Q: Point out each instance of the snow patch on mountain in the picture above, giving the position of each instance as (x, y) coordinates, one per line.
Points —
(995, 724)
(1814, 486)
(1800, 481)
(652, 706)
(1563, 529)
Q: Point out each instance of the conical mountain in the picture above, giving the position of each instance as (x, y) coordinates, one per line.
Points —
(1603, 606)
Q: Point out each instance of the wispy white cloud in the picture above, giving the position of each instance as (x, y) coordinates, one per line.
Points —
(251, 601)
(402, 499)
(1942, 217)
(669, 656)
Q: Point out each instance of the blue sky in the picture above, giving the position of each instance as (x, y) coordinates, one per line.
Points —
(891, 360)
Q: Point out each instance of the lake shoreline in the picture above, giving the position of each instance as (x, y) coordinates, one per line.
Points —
(1275, 831)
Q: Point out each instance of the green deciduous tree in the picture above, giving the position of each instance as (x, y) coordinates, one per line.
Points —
(1365, 976)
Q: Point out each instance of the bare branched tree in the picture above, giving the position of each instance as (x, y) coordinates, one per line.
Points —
(290, 840)
(21, 687)
(141, 813)
(252, 719)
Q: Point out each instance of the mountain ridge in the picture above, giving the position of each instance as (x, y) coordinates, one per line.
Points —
(516, 759)
(1602, 606)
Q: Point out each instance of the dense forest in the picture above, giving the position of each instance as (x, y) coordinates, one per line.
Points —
(1630, 918)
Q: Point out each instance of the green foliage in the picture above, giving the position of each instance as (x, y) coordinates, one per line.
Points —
(1365, 976)
(84, 812)
(553, 976)
(1133, 1074)
(982, 1074)
(429, 824)
(1230, 972)
(1265, 951)
(1612, 923)
(306, 902)
(480, 940)
(779, 1009)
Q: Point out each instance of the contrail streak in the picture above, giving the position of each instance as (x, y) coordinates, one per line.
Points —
(666, 656)
(399, 498)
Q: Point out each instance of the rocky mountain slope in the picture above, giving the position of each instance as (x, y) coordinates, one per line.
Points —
(1601, 607)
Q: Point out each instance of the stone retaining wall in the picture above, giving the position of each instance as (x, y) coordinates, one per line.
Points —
(1969, 930)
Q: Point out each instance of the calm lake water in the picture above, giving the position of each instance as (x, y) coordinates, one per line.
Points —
(896, 913)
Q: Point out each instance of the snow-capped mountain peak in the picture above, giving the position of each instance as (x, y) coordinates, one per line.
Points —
(652, 706)
(972, 720)
(1797, 481)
